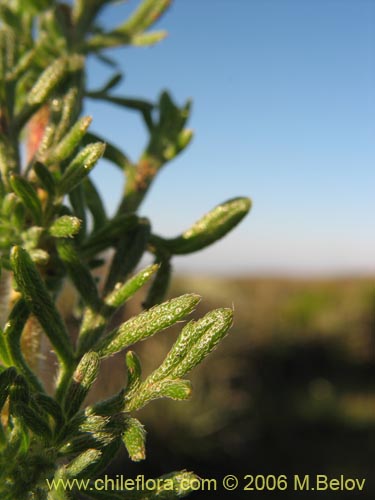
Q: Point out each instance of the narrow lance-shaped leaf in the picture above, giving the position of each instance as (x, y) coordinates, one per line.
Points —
(47, 81)
(210, 228)
(22, 65)
(65, 226)
(28, 196)
(83, 378)
(19, 391)
(79, 273)
(78, 204)
(7, 377)
(173, 389)
(70, 142)
(122, 292)
(46, 178)
(94, 204)
(134, 438)
(176, 389)
(40, 303)
(146, 324)
(112, 82)
(80, 166)
(127, 102)
(94, 322)
(50, 406)
(147, 39)
(12, 334)
(134, 372)
(206, 343)
(32, 419)
(82, 462)
(182, 141)
(8, 50)
(129, 251)
(105, 59)
(145, 15)
(68, 109)
(4, 354)
(98, 467)
(189, 335)
(128, 33)
(159, 287)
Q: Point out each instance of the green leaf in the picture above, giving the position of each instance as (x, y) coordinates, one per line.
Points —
(213, 226)
(22, 66)
(65, 226)
(32, 419)
(12, 334)
(80, 167)
(47, 81)
(82, 462)
(19, 392)
(112, 82)
(147, 39)
(145, 16)
(70, 142)
(134, 372)
(196, 340)
(159, 287)
(40, 303)
(134, 438)
(129, 251)
(50, 406)
(94, 204)
(67, 109)
(123, 291)
(46, 178)
(83, 378)
(4, 354)
(147, 323)
(127, 102)
(7, 377)
(206, 343)
(28, 195)
(183, 139)
(173, 389)
(79, 273)
(168, 388)
(78, 204)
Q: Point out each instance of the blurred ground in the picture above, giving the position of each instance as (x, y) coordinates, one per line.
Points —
(290, 391)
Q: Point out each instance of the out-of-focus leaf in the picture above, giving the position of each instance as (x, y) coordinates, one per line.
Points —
(80, 167)
(65, 226)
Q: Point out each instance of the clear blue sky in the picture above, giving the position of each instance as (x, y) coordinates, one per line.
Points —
(284, 112)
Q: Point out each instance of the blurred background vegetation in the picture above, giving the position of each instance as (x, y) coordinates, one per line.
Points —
(291, 390)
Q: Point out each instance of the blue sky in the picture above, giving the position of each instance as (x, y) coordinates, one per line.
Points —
(284, 112)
